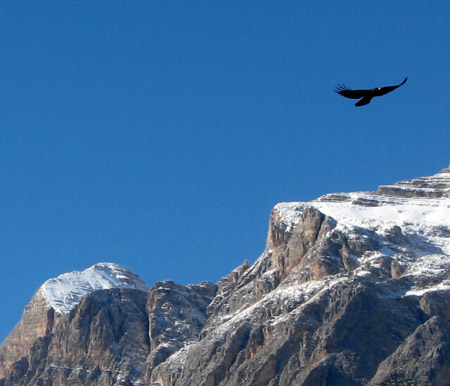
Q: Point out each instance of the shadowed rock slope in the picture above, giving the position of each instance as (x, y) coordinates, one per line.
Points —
(351, 289)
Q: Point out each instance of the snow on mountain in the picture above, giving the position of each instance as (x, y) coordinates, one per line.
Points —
(417, 211)
(414, 215)
(350, 287)
(378, 209)
(65, 291)
(418, 224)
(420, 208)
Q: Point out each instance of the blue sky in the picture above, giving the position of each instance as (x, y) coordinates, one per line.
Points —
(159, 135)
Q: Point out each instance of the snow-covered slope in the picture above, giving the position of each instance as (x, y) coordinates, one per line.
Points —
(415, 213)
(65, 291)
(401, 203)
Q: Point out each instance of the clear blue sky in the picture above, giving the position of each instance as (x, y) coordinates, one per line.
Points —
(160, 134)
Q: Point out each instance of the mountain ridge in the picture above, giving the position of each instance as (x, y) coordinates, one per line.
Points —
(351, 289)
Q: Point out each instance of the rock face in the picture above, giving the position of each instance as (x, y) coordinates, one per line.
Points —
(352, 289)
(111, 336)
(176, 315)
(103, 341)
(37, 321)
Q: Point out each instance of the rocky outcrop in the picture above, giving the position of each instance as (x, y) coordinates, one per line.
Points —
(103, 340)
(424, 356)
(38, 320)
(432, 187)
(176, 316)
(114, 336)
(290, 245)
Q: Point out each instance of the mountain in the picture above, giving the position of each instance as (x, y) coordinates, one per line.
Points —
(351, 289)
(55, 299)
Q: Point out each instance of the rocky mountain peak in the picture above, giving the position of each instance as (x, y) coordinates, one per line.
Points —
(56, 298)
(65, 291)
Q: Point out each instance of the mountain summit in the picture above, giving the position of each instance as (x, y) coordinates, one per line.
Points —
(65, 291)
(56, 298)
(351, 289)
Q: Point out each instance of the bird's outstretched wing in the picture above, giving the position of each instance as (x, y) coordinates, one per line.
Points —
(349, 93)
(384, 90)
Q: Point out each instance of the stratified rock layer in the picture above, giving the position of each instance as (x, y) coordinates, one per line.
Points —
(37, 321)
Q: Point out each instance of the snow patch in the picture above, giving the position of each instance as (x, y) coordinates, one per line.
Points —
(411, 219)
(290, 213)
(443, 286)
(65, 291)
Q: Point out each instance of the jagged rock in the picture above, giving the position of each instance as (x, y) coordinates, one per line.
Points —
(102, 341)
(422, 359)
(37, 321)
(312, 226)
(176, 316)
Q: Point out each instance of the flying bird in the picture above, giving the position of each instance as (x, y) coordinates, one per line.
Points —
(365, 96)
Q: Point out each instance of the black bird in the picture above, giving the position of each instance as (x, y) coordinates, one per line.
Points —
(365, 95)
